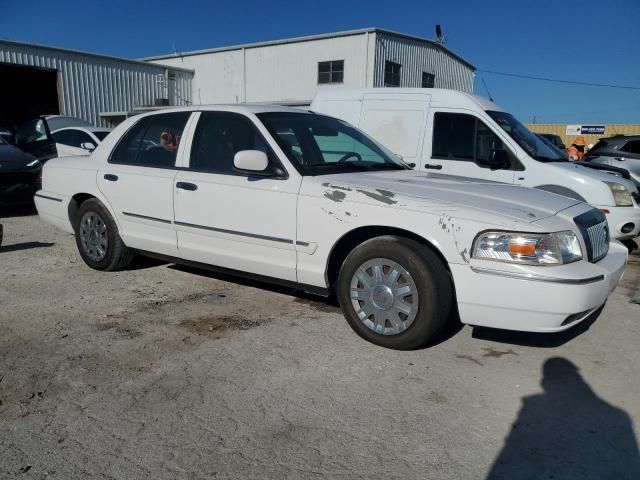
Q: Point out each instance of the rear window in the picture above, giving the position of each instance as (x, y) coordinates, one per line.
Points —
(599, 146)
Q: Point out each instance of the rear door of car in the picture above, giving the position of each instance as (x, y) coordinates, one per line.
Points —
(34, 137)
(138, 181)
(231, 219)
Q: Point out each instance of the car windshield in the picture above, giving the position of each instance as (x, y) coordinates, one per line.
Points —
(529, 142)
(319, 145)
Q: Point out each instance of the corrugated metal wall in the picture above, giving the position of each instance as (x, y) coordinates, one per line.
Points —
(89, 84)
(417, 57)
(561, 130)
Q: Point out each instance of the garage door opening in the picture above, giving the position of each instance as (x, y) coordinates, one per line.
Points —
(27, 92)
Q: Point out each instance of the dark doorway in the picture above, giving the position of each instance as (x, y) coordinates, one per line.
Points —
(27, 92)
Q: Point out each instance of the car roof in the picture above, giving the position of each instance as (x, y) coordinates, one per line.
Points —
(621, 138)
(87, 129)
(235, 107)
(438, 96)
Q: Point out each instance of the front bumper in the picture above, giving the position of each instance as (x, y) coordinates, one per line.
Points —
(535, 299)
(618, 217)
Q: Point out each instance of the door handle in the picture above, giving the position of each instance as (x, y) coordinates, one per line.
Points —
(620, 159)
(110, 177)
(187, 186)
(433, 167)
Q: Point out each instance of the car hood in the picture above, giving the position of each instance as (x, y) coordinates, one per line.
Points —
(12, 159)
(388, 188)
(601, 175)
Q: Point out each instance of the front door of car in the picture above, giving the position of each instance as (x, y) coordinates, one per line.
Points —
(138, 182)
(231, 219)
(34, 137)
(464, 146)
(72, 142)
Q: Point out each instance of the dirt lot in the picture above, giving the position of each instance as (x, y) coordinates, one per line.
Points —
(162, 372)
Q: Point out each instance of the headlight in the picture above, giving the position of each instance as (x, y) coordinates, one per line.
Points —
(528, 248)
(33, 163)
(621, 195)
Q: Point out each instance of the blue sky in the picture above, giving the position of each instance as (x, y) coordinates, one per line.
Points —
(589, 41)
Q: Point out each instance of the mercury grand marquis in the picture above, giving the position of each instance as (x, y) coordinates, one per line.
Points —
(293, 197)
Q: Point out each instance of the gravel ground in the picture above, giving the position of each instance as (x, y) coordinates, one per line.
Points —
(167, 373)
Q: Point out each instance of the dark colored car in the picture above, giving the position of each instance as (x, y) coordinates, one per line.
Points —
(20, 174)
(554, 139)
(622, 151)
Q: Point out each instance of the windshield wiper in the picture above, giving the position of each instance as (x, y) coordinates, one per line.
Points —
(338, 166)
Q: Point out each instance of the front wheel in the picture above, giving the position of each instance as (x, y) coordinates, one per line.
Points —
(395, 292)
(97, 238)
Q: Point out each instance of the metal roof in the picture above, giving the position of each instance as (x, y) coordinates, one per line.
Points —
(88, 54)
(310, 38)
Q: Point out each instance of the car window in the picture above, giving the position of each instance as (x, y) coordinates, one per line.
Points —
(152, 142)
(80, 137)
(319, 145)
(524, 137)
(632, 147)
(458, 136)
(31, 131)
(64, 137)
(217, 139)
(601, 145)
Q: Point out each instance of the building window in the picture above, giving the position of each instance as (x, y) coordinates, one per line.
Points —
(428, 80)
(392, 74)
(331, 72)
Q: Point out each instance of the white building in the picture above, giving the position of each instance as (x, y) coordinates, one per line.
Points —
(289, 72)
(101, 89)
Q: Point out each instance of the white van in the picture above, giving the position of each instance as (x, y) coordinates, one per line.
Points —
(455, 133)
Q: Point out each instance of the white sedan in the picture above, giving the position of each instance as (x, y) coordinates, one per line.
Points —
(301, 199)
(71, 141)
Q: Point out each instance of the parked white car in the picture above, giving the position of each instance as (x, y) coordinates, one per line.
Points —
(308, 201)
(455, 133)
(71, 141)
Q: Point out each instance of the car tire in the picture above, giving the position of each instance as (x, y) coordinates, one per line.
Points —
(98, 240)
(395, 292)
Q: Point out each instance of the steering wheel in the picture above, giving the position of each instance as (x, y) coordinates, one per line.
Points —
(349, 155)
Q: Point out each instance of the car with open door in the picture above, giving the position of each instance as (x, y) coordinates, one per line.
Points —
(308, 201)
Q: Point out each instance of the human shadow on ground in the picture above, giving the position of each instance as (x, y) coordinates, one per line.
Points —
(568, 432)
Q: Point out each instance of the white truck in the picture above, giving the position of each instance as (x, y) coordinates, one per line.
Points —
(463, 135)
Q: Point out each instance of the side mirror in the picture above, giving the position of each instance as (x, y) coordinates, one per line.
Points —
(251, 161)
(499, 160)
(88, 146)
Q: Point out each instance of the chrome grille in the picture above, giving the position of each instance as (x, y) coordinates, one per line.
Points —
(599, 239)
(595, 232)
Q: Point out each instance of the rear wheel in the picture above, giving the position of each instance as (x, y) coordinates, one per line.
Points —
(97, 238)
(395, 292)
